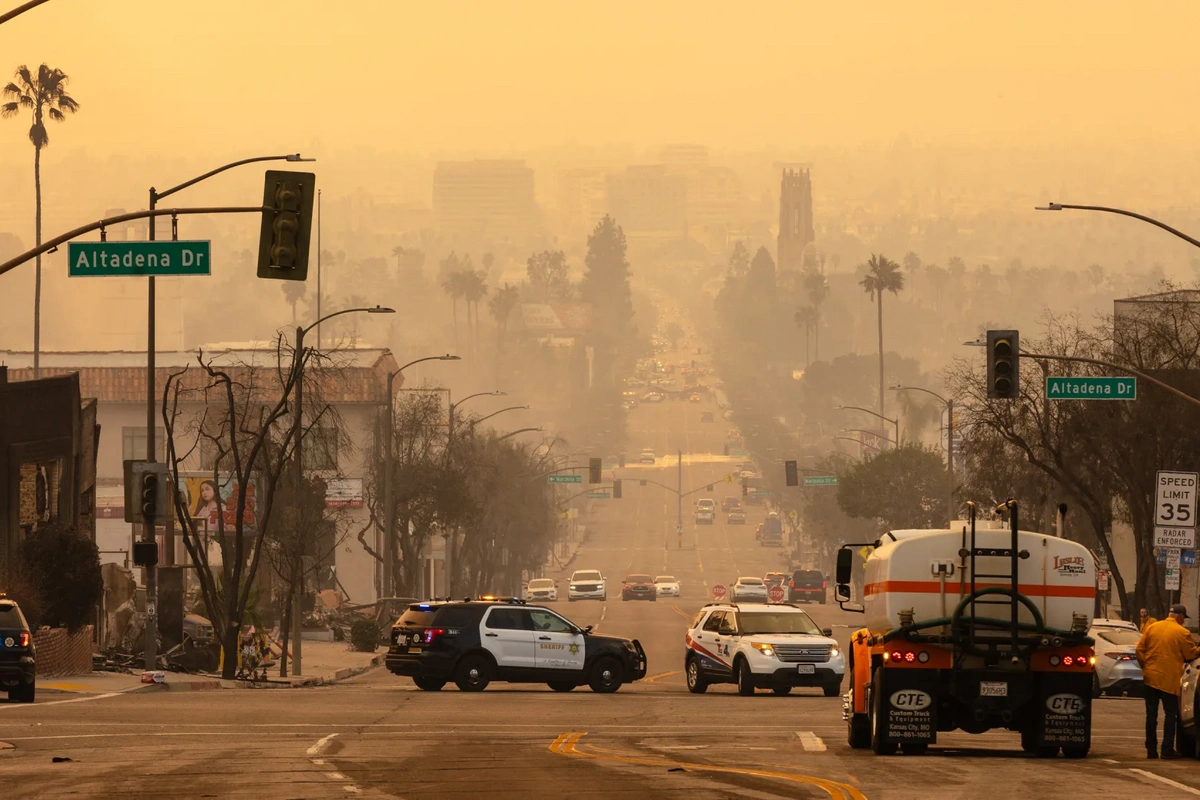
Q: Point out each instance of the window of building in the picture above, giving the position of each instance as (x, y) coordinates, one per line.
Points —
(133, 444)
(320, 448)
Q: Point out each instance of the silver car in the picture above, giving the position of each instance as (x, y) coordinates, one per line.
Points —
(1117, 668)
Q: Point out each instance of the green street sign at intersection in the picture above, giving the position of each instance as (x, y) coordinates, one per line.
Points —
(124, 259)
(820, 480)
(599, 495)
(566, 479)
(1091, 388)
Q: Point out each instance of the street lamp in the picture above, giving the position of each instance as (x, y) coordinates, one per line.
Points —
(389, 514)
(298, 435)
(151, 407)
(1123, 213)
(856, 441)
(501, 411)
(895, 421)
(866, 431)
(949, 435)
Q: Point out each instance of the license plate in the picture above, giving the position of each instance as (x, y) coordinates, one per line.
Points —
(993, 689)
(806, 669)
(414, 649)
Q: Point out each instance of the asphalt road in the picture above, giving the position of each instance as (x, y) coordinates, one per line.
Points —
(377, 736)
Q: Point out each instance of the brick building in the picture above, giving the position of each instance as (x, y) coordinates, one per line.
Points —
(353, 383)
(48, 441)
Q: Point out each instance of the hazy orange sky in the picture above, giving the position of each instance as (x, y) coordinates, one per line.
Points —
(436, 77)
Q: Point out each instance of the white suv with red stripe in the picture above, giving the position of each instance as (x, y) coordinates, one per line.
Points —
(760, 646)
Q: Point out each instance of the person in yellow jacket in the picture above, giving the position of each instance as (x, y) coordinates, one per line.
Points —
(1162, 651)
(1145, 621)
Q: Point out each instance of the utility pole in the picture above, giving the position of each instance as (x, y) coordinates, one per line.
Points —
(148, 523)
(298, 433)
(949, 453)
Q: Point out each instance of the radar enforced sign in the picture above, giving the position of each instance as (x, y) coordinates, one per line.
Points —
(1175, 509)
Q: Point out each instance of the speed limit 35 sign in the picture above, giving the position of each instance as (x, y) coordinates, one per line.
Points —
(1175, 509)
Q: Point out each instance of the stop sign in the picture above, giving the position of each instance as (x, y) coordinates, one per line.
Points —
(718, 592)
(775, 594)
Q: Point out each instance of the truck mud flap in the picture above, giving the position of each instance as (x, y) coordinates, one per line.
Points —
(1065, 711)
(908, 705)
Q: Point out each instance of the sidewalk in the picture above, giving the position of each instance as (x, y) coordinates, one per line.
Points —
(324, 663)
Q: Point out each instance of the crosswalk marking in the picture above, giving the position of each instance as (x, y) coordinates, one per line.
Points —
(810, 741)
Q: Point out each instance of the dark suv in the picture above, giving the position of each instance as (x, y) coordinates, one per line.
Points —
(476, 642)
(807, 585)
(17, 673)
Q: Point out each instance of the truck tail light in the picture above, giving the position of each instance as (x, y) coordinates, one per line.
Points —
(823, 584)
(24, 639)
(433, 633)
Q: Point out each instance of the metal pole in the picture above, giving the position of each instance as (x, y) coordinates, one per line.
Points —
(949, 452)
(319, 268)
(298, 432)
(452, 537)
(148, 523)
(389, 516)
(679, 501)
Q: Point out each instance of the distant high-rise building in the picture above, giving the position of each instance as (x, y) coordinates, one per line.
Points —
(795, 218)
(484, 196)
(648, 198)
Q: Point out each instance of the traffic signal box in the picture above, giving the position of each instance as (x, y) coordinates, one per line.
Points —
(791, 472)
(616, 492)
(1003, 365)
(286, 225)
(594, 470)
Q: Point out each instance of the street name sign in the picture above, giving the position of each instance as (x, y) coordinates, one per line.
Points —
(1175, 499)
(820, 480)
(1172, 579)
(125, 259)
(599, 495)
(566, 479)
(1175, 538)
(1091, 388)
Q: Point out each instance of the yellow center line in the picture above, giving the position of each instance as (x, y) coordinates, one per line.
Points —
(566, 743)
(681, 613)
(660, 675)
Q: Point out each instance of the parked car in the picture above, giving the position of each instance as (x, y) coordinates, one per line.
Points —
(638, 587)
(18, 672)
(1117, 669)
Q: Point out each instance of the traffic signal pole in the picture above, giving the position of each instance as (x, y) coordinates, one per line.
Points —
(679, 503)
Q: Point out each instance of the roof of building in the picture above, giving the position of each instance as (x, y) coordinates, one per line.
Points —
(1176, 296)
(119, 376)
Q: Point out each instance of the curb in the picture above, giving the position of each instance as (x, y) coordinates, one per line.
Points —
(306, 682)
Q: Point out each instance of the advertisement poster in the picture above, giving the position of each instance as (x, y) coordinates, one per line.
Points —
(215, 500)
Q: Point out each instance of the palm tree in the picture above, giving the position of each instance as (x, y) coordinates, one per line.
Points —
(883, 275)
(806, 319)
(817, 287)
(43, 96)
(501, 305)
(475, 288)
(293, 291)
(452, 284)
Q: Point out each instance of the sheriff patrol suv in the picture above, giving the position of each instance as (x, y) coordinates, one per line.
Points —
(18, 673)
(476, 642)
(755, 645)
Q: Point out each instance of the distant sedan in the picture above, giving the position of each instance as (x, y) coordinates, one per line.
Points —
(736, 518)
(666, 586)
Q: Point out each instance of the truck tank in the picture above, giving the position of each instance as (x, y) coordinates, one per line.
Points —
(924, 573)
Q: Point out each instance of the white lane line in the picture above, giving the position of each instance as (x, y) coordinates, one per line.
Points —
(335, 776)
(353, 789)
(322, 743)
(60, 702)
(1167, 781)
(811, 742)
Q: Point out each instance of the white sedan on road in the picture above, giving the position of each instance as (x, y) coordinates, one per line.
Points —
(666, 586)
(748, 587)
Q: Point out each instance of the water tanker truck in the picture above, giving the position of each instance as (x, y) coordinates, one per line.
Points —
(970, 628)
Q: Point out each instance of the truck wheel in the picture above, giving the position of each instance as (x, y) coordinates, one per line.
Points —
(878, 744)
(858, 731)
(1096, 690)
(781, 690)
(1027, 741)
(1049, 751)
(24, 693)
(695, 679)
(831, 689)
(561, 686)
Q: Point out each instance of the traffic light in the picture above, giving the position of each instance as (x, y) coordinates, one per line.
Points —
(149, 497)
(745, 491)
(708, 488)
(594, 470)
(1003, 365)
(286, 225)
(789, 468)
(621, 460)
(642, 482)
(616, 490)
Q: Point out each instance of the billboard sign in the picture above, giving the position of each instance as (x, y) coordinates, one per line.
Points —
(214, 500)
(344, 493)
